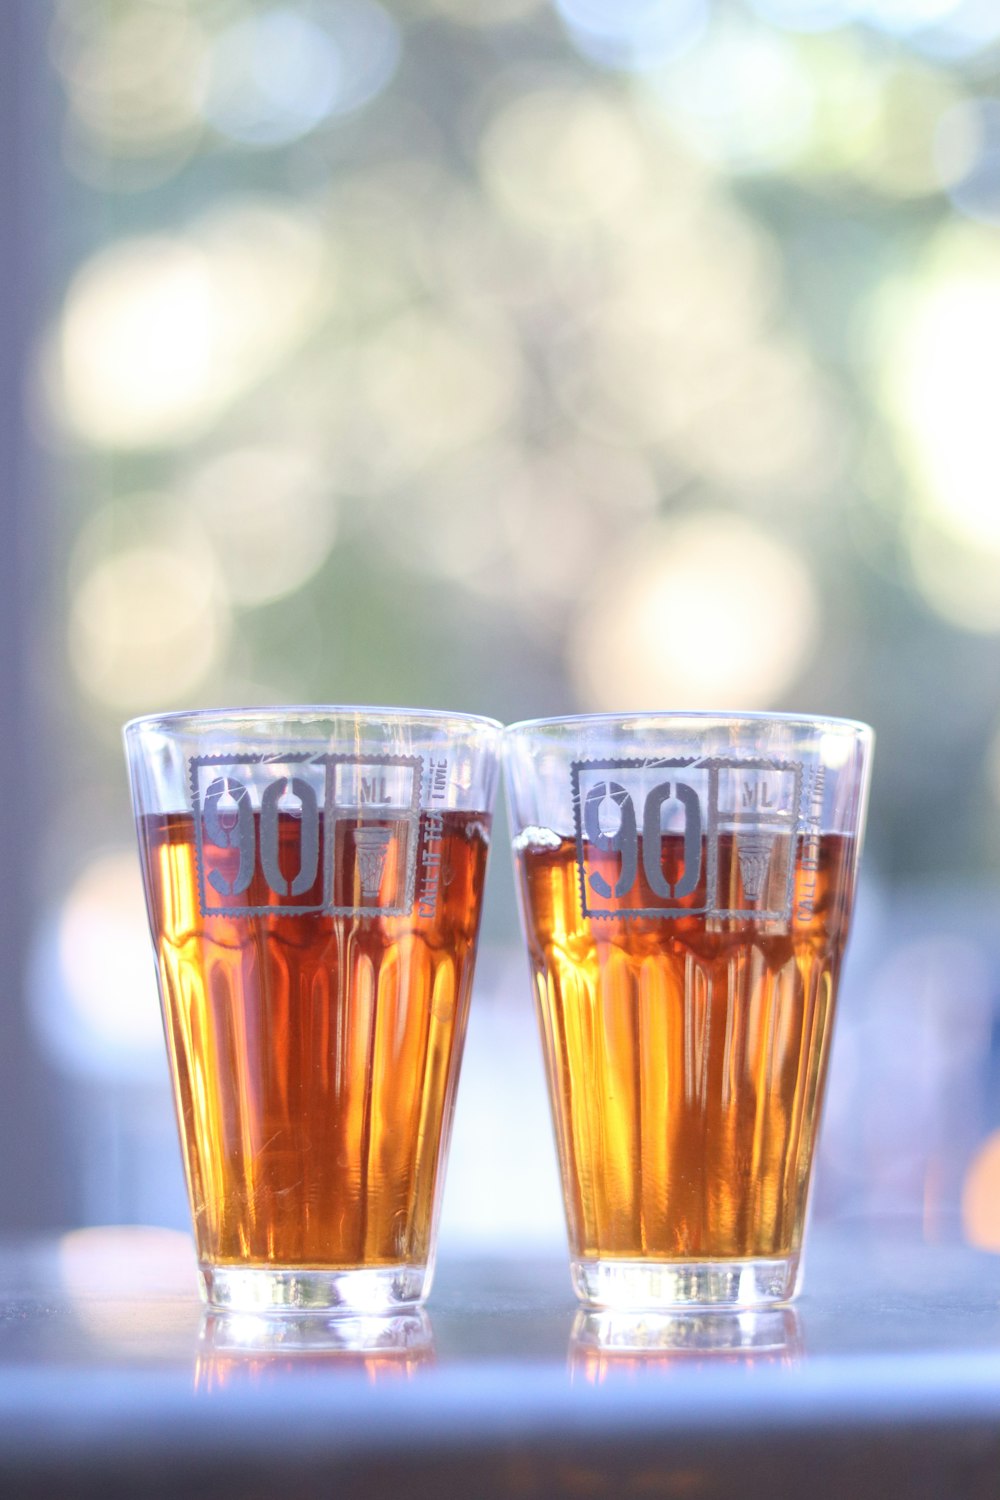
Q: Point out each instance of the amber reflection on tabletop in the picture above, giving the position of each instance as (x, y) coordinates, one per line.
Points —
(247, 1349)
(605, 1345)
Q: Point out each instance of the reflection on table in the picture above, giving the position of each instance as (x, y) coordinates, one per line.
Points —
(603, 1345)
(251, 1349)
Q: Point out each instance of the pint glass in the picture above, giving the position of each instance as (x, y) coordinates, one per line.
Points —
(686, 883)
(314, 883)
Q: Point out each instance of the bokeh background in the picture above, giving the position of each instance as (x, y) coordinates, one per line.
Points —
(518, 357)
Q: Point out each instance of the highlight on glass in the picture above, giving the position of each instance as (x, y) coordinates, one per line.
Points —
(686, 885)
(314, 881)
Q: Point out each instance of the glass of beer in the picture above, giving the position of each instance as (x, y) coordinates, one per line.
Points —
(686, 883)
(314, 883)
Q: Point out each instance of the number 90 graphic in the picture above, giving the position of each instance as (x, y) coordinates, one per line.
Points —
(624, 840)
(229, 823)
(285, 835)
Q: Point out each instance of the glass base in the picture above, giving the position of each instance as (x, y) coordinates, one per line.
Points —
(626, 1285)
(271, 1289)
(695, 1331)
(407, 1333)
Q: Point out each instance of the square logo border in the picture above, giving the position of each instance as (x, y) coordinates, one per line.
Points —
(410, 816)
(713, 765)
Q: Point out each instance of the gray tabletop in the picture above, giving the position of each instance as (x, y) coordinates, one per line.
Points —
(884, 1380)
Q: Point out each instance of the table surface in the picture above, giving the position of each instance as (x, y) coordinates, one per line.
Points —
(883, 1380)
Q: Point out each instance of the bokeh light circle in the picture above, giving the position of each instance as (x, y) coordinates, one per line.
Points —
(939, 336)
(275, 75)
(160, 334)
(103, 943)
(147, 625)
(707, 611)
(556, 159)
(270, 516)
(634, 34)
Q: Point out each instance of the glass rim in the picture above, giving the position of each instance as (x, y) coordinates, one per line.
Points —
(724, 716)
(203, 716)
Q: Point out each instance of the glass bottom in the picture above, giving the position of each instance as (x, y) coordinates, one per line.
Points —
(626, 1285)
(272, 1289)
(701, 1332)
(406, 1333)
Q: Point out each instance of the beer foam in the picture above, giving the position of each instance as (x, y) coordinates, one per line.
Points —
(536, 838)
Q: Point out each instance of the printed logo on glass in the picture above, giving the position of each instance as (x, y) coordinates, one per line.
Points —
(288, 834)
(712, 837)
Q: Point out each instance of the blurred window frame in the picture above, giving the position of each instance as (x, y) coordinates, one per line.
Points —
(32, 1185)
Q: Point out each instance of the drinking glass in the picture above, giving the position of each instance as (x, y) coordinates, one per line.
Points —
(686, 884)
(314, 882)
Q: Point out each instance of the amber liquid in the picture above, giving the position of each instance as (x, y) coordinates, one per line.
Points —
(314, 1057)
(686, 1058)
